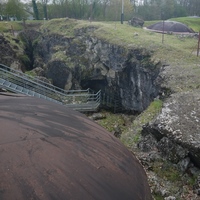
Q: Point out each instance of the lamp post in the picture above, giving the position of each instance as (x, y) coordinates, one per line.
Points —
(122, 14)
(163, 31)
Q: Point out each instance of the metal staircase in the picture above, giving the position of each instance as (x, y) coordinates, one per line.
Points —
(18, 82)
(111, 100)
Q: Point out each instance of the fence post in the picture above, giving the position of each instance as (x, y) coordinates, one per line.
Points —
(198, 45)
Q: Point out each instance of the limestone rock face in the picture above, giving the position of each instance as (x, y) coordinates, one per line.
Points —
(126, 74)
(177, 127)
(58, 72)
(8, 56)
(129, 74)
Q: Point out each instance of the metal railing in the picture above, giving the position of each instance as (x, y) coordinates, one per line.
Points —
(18, 82)
(111, 101)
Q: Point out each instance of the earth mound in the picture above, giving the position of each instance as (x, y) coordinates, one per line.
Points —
(170, 26)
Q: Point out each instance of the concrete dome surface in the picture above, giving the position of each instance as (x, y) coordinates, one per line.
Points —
(170, 26)
(49, 152)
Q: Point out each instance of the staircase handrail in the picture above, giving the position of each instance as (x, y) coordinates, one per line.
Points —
(43, 86)
(27, 83)
(78, 99)
(36, 80)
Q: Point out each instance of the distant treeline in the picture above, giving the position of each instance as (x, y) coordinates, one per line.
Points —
(166, 9)
(98, 9)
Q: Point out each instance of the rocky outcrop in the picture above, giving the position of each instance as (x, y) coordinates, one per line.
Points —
(176, 129)
(126, 75)
(84, 61)
(169, 147)
(129, 73)
(60, 75)
(8, 55)
(135, 21)
(29, 39)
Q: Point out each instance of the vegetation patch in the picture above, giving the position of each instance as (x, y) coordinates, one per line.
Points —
(24, 59)
(112, 121)
(10, 26)
(62, 26)
(31, 73)
(131, 132)
(166, 171)
(132, 136)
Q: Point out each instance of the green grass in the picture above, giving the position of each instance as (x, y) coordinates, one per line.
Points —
(8, 26)
(31, 73)
(111, 121)
(61, 26)
(174, 49)
(158, 197)
(129, 138)
(166, 171)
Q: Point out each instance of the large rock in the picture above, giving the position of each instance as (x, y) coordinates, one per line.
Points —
(59, 74)
(135, 21)
(179, 124)
(50, 152)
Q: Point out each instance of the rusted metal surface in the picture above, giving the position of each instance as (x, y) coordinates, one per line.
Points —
(51, 152)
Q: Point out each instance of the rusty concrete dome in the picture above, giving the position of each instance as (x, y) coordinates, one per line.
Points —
(49, 152)
(170, 26)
